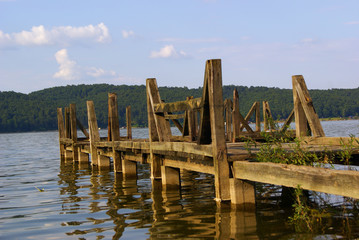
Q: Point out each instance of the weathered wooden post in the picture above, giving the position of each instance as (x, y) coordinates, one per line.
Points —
(258, 117)
(235, 115)
(212, 122)
(128, 122)
(304, 111)
(73, 126)
(60, 126)
(93, 131)
(114, 130)
(170, 178)
(228, 108)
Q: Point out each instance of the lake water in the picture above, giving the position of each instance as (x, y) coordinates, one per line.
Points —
(84, 203)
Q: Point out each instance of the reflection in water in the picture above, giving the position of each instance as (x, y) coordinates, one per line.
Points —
(102, 204)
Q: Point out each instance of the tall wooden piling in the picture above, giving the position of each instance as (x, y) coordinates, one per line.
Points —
(128, 122)
(213, 77)
(114, 130)
(93, 131)
(73, 127)
(60, 125)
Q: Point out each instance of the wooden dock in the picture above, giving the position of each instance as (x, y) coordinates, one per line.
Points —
(214, 139)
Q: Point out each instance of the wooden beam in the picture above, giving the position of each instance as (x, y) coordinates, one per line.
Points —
(258, 117)
(287, 121)
(307, 105)
(82, 128)
(179, 106)
(221, 167)
(204, 132)
(338, 182)
(161, 124)
(238, 119)
(67, 123)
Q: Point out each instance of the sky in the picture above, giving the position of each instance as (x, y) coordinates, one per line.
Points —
(48, 43)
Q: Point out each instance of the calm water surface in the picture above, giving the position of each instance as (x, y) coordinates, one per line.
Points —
(81, 202)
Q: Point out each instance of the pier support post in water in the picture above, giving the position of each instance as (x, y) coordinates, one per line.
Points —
(129, 168)
(93, 131)
(114, 130)
(170, 178)
(304, 111)
(242, 194)
(60, 126)
(212, 126)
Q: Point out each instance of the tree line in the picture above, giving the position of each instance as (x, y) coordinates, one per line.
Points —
(36, 111)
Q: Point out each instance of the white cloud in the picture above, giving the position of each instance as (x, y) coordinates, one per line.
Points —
(127, 34)
(167, 51)
(67, 68)
(352, 23)
(99, 72)
(39, 35)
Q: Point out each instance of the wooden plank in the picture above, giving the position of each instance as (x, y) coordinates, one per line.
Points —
(338, 182)
(180, 106)
(174, 116)
(183, 147)
(190, 166)
(338, 141)
(128, 122)
(152, 129)
(307, 105)
(93, 131)
(221, 167)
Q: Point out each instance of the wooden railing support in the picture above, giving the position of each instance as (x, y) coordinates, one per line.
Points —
(304, 110)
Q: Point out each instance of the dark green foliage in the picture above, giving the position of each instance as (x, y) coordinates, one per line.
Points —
(37, 111)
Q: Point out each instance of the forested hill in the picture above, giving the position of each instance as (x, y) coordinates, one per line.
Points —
(37, 111)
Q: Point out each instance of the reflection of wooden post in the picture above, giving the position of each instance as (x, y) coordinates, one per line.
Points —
(304, 111)
(170, 177)
(128, 122)
(73, 128)
(60, 126)
(93, 131)
(214, 87)
(114, 130)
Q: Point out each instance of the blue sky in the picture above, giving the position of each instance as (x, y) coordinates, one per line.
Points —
(47, 43)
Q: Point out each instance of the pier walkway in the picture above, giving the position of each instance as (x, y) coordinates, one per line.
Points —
(215, 139)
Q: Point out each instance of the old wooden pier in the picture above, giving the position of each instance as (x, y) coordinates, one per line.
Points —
(210, 142)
